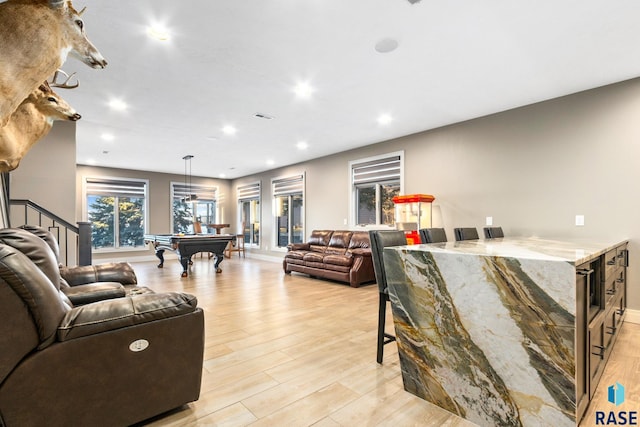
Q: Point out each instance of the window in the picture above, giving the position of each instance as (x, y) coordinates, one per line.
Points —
(116, 209)
(375, 182)
(193, 203)
(249, 212)
(288, 196)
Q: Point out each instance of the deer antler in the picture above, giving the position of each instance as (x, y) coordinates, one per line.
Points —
(65, 84)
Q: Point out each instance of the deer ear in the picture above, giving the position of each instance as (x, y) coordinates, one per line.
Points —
(82, 11)
(44, 87)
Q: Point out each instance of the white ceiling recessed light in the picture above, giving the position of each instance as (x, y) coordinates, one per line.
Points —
(118, 105)
(384, 119)
(222, 175)
(91, 162)
(229, 130)
(107, 136)
(304, 89)
(158, 32)
(270, 162)
(386, 45)
(302, 145)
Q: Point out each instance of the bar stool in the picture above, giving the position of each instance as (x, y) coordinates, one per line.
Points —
(238, 247)
(493, 232)
(432, 235)
(466, 233)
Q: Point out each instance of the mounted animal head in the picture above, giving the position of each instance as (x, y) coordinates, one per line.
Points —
(74, 33)
(51, 105)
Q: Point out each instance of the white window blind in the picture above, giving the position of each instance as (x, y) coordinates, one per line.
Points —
(202, 192)
(115, 187)
(380, 170)
(289, 185)
(249, 191)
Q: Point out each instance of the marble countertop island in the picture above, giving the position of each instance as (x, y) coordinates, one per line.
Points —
(486, 328)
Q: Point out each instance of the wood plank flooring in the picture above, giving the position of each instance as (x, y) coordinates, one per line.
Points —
(289, 350)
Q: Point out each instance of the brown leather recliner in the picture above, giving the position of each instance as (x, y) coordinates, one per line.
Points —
(81, 284)
(110, 363)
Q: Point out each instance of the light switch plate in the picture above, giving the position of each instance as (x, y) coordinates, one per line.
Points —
(579, 220)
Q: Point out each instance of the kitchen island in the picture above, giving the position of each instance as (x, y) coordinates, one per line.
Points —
(508, 331)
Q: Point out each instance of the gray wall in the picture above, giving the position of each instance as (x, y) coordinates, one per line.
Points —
(47, 174)
(532, 169)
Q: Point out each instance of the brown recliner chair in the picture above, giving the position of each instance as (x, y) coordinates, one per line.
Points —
(110, 363)
(81, 284)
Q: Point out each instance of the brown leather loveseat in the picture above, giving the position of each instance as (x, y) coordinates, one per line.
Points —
(113, 362)
(337, 255)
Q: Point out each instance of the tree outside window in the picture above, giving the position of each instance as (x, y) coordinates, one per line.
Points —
(116, 221)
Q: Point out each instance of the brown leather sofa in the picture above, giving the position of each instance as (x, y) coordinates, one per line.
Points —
(340, 255)
(114, 362)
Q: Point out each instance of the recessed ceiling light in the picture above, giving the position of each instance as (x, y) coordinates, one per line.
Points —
(91, 162)
(118, 105)
(229, 130)
(158, 32)
(270, 162)
(386, 45)
(304, 89)
(223, 175)
(384, 119)
(107, 136)
(302, 145)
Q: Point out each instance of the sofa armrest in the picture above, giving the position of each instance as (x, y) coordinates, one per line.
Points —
(120, 272)
(86, 294)
(120, 313)
(298, 247)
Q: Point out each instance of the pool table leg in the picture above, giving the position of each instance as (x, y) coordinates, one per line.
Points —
(185, 261)
(219, 258)
(160, 255)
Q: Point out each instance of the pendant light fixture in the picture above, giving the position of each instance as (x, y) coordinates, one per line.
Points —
(190, 197)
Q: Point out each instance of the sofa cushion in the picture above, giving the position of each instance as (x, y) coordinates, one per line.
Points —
(313, 257)
(360, 239)
(343, 260)
(340, 268)
(339, 242)
(296, 255)
(319, 240)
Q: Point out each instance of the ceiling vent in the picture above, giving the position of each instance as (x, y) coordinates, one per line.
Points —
(413, 1)
(263, 116)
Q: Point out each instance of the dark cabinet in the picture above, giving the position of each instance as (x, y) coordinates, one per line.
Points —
(601, 292)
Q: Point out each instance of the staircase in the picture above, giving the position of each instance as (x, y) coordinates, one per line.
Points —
(74, 241)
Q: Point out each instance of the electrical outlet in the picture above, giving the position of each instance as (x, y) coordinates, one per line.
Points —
(579, 220)
(489, 220)
(345, 221)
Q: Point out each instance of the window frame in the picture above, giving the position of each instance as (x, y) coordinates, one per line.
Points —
(353, 187)
(198, 189)
(275, 194)
(85, 211)
(255, 194)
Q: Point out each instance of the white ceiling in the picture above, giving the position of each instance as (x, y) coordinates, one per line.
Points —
(230, 59)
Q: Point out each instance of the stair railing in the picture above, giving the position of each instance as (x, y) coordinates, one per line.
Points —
(71, 238)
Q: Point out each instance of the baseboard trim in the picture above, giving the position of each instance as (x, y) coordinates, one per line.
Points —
(633, 316)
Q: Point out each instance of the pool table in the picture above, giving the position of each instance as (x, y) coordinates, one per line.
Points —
(186, 245)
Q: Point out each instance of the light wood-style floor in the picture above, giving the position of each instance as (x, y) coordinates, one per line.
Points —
(288, 350)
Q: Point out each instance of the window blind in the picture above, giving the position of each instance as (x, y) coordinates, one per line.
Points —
(249, 191)
(289, 185)
(115, 187)
(380, 170)
(204, 193)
